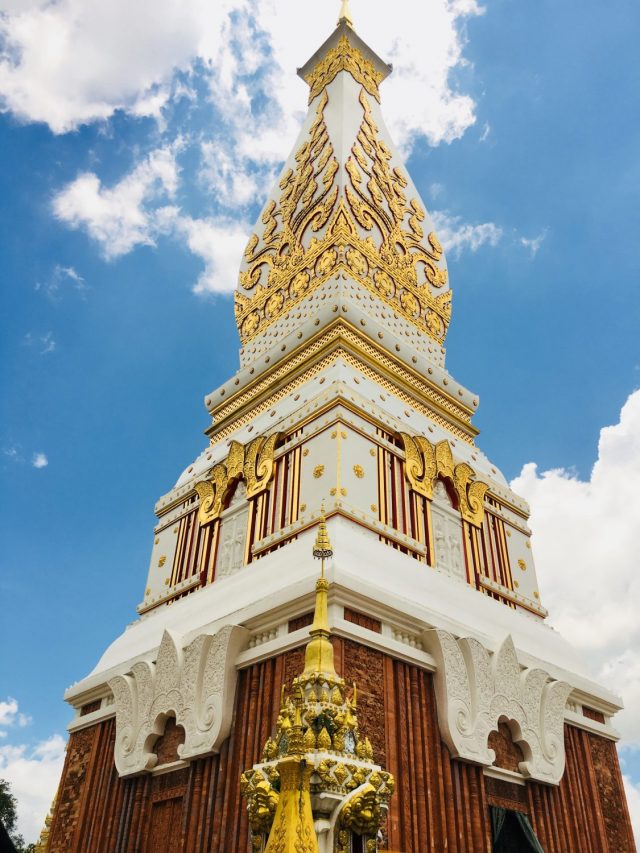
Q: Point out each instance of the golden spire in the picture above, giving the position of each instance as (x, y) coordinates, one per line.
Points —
(318, 657)
(345, 14)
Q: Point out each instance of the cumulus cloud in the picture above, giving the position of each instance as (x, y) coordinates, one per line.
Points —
(219, 244)
(34, 773)
(8, 712)
(70, 62)
(585, 541)
(118, 217)
(456, 235)
(39, 460)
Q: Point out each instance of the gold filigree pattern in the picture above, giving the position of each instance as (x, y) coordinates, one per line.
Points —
(253, 463)
(377, 356)
(344, 57)
(425, 462)
(369, 230)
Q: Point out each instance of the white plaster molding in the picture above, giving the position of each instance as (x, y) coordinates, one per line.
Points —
(475, 689)
(195, 683)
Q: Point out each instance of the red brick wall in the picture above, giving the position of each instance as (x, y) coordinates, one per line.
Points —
(440, 804)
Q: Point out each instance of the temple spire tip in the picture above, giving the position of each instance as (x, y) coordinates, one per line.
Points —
(345, 14)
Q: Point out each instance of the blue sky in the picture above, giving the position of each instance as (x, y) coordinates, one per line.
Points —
(126, 193)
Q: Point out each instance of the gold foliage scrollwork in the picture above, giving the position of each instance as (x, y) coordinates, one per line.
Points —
(253, 463)
(425, 462)
(344, 57)
(420, 464)
(259, 463)
(470, 493)
(370, 231)
(213, 493)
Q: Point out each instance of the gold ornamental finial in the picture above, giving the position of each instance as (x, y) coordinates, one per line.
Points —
(322, 547)
(345, 14)
(318, 656)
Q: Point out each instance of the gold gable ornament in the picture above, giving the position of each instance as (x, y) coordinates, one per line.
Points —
(425, 462)
(402, 267)
(254, 463)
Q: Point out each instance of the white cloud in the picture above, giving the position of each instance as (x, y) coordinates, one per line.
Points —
(8, 712)
(13, 453)
(456, 235)
(39, 460)
(219, 243)
(60, 277)
(633, 799)
(533, 244)
(45, 343)
(34, 774)
(585, 541)
(67, 62)
(70, 62)
(118, 217)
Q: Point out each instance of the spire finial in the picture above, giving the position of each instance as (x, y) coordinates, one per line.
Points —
(322, 547)
(345, 14)
(319, 652)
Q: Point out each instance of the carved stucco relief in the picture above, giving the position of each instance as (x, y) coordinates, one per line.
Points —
(476, 689)
(447, 534)
(195, 683)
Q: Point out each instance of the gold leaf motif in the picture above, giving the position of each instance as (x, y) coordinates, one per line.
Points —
(393, 260)
(253, 463)
(344, 57)
(435, 245)
(251, 246)
(324, 739)
(384, 283)
(357, 262)
(259, 463)
(250, 325)
(235, 460)
(424, 463)
(341, 773)
(274, 304)
(318, 471)
(409, 303)
(435, 324)
(300, 283)
(358, 470)
(326, 262)
(212, 493)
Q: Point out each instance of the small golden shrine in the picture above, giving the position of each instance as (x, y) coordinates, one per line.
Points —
(317, 788)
